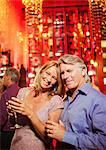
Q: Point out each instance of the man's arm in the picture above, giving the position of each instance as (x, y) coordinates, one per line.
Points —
(95, 139)
(3, 111)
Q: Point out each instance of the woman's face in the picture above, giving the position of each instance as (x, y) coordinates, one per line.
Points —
(48, 77)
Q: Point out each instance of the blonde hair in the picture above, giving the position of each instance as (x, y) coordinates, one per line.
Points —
(57, 88)
(73, 59)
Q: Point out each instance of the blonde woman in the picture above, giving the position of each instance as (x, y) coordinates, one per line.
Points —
(37, 105)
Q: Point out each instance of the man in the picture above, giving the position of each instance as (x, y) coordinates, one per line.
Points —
(84, 114)
(10, 80)
(1, 87)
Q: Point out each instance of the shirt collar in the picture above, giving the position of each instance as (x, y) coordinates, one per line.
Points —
(85, 88)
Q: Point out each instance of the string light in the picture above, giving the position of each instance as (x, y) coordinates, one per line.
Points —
(98, 18)
(34, 29)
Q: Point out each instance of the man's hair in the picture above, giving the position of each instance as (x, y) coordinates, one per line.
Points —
(73, 59)
(13, 73)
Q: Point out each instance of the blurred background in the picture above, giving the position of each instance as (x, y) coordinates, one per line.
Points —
(33, 32)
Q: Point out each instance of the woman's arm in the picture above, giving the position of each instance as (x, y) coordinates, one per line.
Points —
(55, 115)
(39, 126)
(25, 108)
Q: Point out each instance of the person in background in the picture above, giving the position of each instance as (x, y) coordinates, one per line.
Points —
(83, 120)
(1, 87)
(36, 105)
(10, 81)
(22, 81)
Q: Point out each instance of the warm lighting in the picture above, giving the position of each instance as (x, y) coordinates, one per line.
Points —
(31, 75)
(98, 24)
(27, 2)
(103, 43)
(104, 69)
(92, 61)
(58, 54)
(9, 26)
(37, 4)
(90, 72)
(95, 64)
(104, 81)
(43, 54)
(104, 55)
(34, 30)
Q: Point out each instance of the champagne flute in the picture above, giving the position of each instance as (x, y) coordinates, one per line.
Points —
(12, 117)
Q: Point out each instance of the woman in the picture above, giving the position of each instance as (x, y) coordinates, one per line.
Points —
(38, 105)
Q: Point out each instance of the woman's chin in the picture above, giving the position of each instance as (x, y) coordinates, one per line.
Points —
(45, 89)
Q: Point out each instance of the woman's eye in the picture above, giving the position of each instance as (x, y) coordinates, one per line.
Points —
(54, 78)
(48, 73)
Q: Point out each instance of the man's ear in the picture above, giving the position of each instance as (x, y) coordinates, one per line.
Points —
(84, 71)
(8, 78)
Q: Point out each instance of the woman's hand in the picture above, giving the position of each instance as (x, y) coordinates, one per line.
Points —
(20, 106)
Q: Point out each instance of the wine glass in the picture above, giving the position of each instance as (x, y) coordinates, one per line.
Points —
(12, 117)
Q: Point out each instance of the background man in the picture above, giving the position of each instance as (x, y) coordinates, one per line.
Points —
(84, 114)
(10, 80)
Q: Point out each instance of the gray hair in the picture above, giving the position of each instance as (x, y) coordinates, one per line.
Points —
(13, 73)
(73, 59)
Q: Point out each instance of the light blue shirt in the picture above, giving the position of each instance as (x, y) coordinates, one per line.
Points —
(85, 119)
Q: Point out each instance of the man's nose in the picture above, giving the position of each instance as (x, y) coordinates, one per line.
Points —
(65, 75)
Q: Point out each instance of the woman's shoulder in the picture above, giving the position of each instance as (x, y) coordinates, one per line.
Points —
(25, 89)
(23, 92)
(56, 102)
(57, 97)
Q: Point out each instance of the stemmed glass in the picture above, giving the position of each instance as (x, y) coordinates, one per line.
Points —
(12, 117)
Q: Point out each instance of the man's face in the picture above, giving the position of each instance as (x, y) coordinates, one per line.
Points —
(72, 75)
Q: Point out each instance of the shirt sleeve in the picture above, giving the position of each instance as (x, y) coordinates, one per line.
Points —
(3, 112)
(95, 139)
(23, 92)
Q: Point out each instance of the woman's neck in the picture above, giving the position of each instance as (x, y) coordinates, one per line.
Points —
(43, 96)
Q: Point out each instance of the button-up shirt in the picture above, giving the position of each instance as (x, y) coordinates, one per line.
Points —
(85, 119)
(11, 91)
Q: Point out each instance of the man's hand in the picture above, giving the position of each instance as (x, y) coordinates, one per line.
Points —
(55, 130)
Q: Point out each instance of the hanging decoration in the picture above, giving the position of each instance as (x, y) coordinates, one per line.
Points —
(4, 15)
(98, 19)
(98, 25)
(34, 28)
